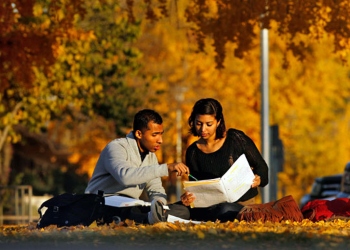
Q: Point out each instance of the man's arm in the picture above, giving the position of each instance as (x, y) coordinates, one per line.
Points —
(124, 165)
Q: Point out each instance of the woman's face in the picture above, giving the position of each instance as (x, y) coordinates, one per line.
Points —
(206, 126)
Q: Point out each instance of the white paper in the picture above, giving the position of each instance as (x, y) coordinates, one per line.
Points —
(238, 179)
(208, 194)
(122, 201)
(173, 219)
(234, 183)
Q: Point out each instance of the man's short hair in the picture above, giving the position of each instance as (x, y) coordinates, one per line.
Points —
(143, 117)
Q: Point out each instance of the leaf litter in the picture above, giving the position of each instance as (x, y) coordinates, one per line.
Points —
(207, 235)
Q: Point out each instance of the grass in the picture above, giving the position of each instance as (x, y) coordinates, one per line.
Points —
(333, 234)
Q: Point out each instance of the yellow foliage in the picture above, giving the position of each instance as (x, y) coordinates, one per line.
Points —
(37, 9)
(59, 14)
(74, 158)
(307, 100)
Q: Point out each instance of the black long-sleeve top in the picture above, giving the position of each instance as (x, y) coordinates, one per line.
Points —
(214, 165)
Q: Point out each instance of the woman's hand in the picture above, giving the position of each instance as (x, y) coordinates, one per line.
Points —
(187, 198)
(256, 181)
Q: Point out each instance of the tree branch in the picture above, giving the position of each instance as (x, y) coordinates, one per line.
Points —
(6, 130)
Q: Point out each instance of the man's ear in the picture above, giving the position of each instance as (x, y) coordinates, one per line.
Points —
(138, 134)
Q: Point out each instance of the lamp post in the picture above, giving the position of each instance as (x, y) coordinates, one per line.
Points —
(265, 128)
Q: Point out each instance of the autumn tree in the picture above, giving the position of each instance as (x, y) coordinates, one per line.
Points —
(309, 101)
(114, 65)
(84, 79)
(306, 95)
(31, 32)
(234, 21)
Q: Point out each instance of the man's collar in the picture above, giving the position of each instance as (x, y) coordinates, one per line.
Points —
(143, 154)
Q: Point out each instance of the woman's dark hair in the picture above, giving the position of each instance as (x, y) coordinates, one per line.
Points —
(143, 117)
(208, 106)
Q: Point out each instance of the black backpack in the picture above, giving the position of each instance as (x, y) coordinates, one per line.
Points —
(71, 210)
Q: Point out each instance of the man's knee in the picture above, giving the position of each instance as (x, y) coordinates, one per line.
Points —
(179, 210)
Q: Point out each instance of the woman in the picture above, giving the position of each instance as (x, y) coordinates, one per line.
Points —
(214, 153)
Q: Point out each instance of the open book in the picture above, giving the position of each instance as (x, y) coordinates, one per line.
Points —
(229, 188)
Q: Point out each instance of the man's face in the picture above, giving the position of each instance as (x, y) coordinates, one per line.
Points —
(149, 140)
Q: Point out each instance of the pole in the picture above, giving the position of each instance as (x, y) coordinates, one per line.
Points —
(179, 96)
(178, 149)
(265, 131)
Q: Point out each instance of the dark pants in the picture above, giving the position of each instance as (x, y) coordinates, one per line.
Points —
(139, 214)
(224, 212)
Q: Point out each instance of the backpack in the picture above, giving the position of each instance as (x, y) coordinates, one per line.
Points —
(71, 210)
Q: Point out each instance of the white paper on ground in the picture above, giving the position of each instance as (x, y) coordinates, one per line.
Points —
(173, 219)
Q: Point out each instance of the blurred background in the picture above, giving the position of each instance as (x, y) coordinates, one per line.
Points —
(73, 74)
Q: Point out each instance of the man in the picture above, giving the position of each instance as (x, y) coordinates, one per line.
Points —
(128, 166)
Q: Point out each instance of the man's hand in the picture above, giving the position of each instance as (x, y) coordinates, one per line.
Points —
(180, 168)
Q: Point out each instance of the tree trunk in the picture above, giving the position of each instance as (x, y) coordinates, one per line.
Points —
(5, 163)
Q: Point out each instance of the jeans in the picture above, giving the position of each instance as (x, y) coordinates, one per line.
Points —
(223, 211)
(139, 214)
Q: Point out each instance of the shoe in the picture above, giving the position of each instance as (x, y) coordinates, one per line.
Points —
(116, 219)
(157, 213)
